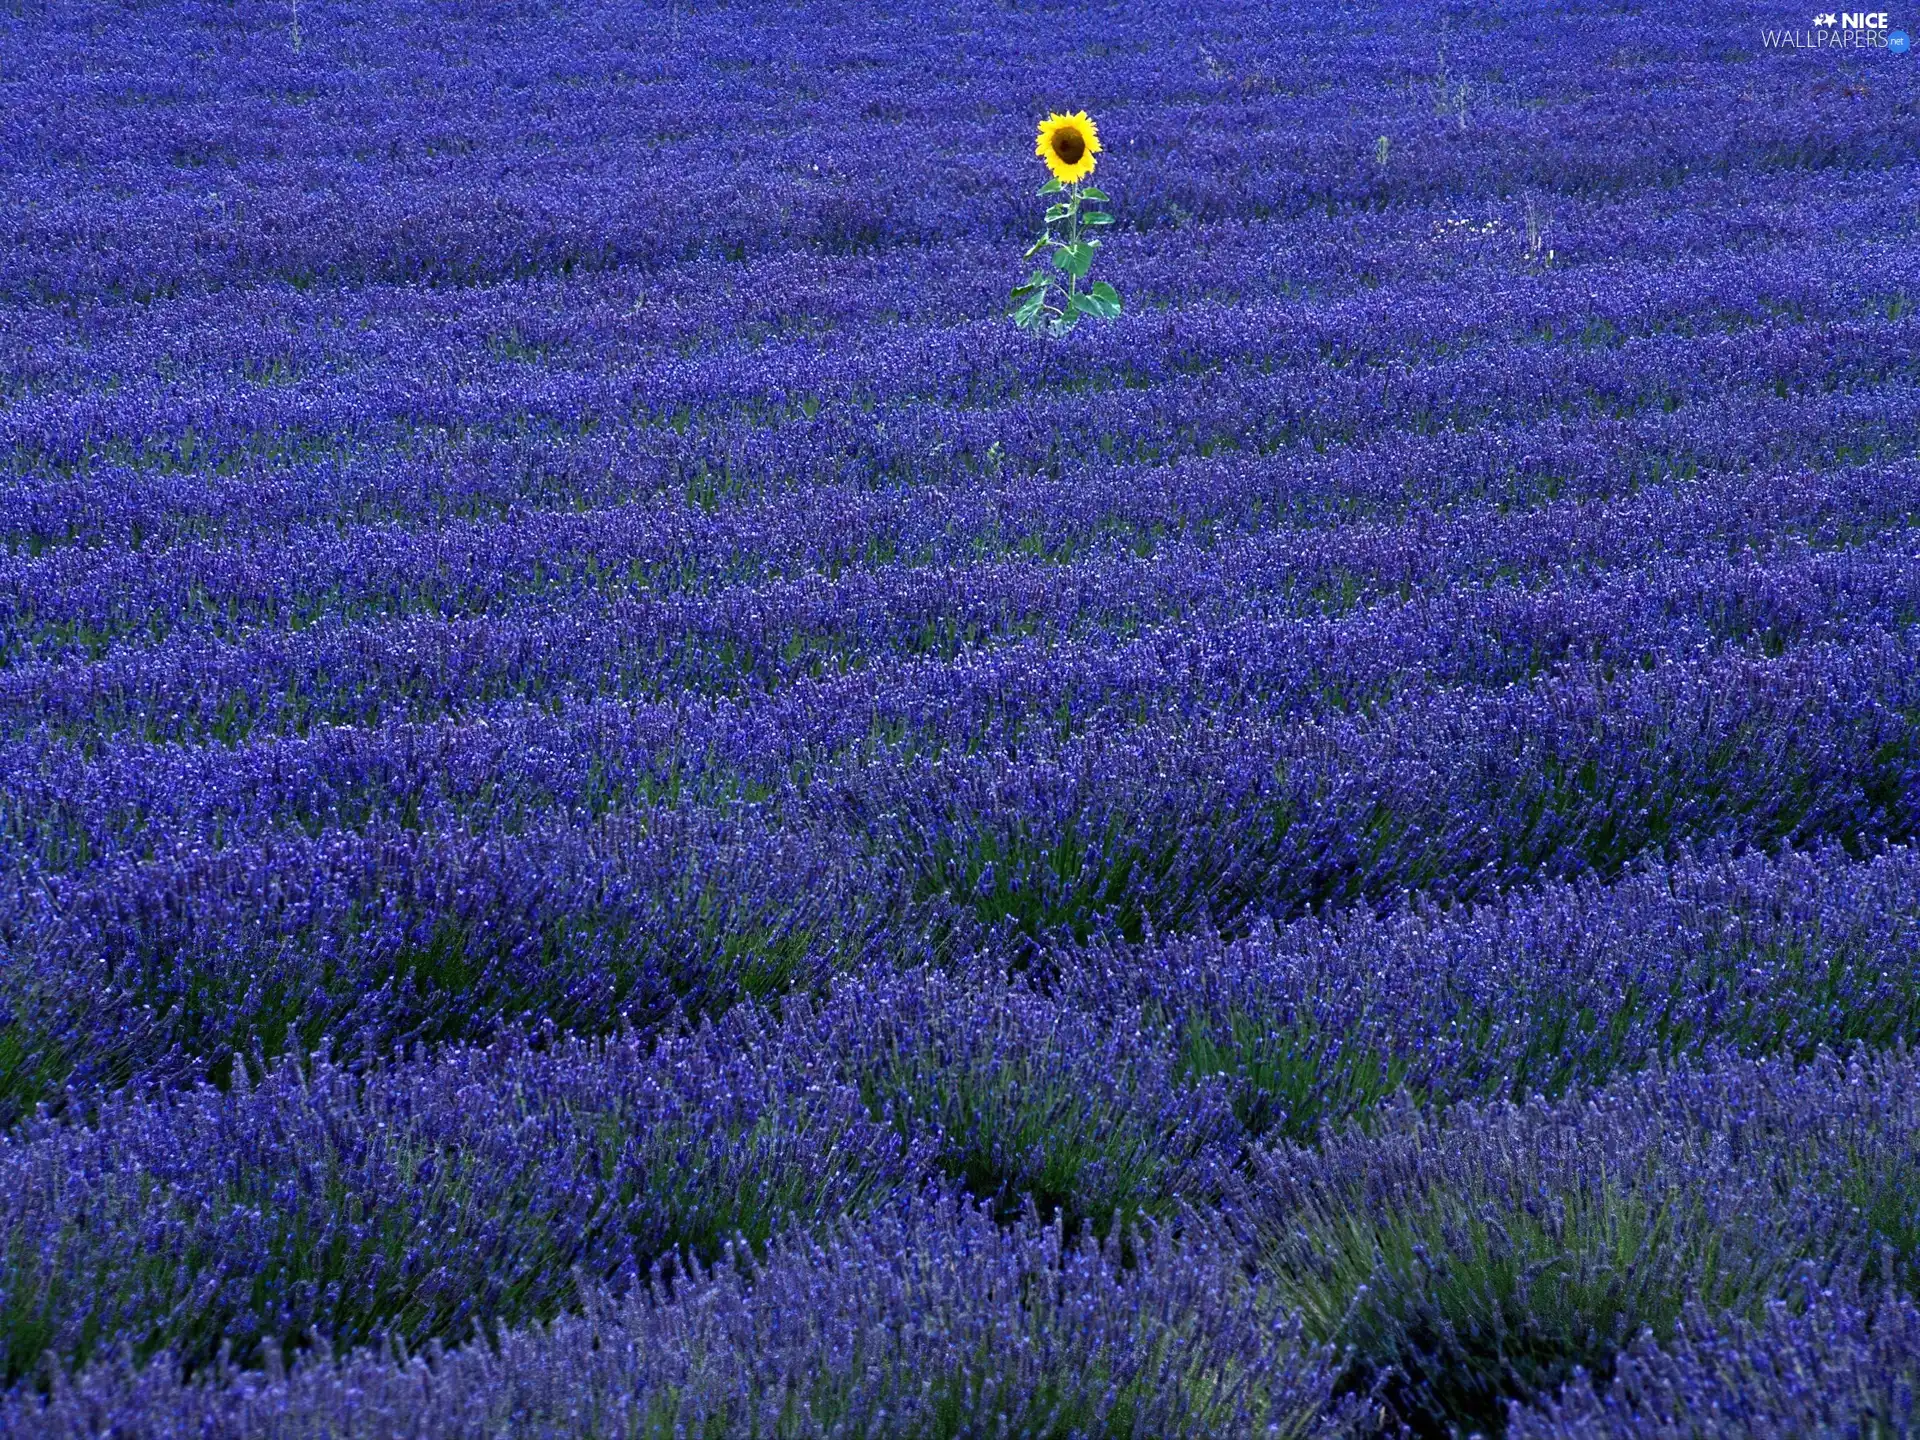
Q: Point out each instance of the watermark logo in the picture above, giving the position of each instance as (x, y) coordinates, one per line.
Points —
(1841, 30)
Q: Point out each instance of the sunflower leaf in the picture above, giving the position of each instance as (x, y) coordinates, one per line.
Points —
(1096, 217)
(1029, 312)
(1075, 259)
(1037, 246)
(1101, 290)
(1058, 212)
(1093, 192)
(1036, 281)
(1052, 187)
(1102, 307)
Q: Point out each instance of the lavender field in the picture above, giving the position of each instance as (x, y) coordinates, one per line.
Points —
(625, 812)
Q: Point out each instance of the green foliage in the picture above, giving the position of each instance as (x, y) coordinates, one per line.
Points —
(1463, 1295)
(1053, 303)
(1290, 1079)
(1023, 1128)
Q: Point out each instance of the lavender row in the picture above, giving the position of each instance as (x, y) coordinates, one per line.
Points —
(817, 530)
(749, 640)
(1714, 249)
(149, 967)
(159, 968)
(1316, 1023)
(524, 367)
(162, 592)
(494, 1184)
(1476, 1260)
(1256, 414)
(136, 503)
(1823, 1364)
(68, 806)
(467, 191)
(1175, 826)
(601, 1156)
(1456, 1265)
(928, 1319)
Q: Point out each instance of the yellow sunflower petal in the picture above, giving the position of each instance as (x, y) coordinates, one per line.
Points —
(1068, 144)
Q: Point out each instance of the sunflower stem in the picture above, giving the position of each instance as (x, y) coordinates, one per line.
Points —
(1073, 218)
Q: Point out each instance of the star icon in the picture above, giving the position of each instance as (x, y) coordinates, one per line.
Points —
(1824, 20)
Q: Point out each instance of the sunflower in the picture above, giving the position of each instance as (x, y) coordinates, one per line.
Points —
(1068, 144)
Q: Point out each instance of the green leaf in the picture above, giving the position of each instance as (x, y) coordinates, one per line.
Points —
(1037, 246)
(1029, 312)
(1096, 217)
(1058, 212)
(1052, 187)
(1075, 259)
(1065, 323)
(1099, 301)
(1093, 192)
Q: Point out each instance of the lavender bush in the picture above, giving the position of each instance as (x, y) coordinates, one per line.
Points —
(929, 1320)
(1821, 1363)
(1479, 1259)
(491, 1186)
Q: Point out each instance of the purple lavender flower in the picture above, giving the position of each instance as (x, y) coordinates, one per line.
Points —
(926, 1319)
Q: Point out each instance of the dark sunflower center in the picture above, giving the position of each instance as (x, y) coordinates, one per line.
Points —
(1069, 146)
